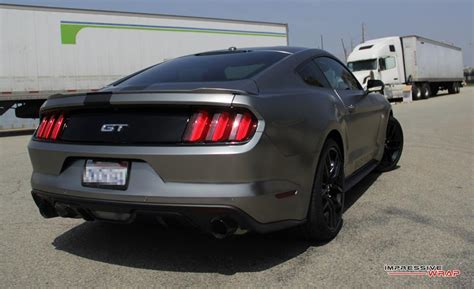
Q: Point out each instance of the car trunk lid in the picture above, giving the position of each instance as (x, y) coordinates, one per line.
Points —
(135, 118)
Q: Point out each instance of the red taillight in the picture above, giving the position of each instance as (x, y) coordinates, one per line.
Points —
(58, 125)
(241, 127)
(219, 127)
(50, 127)
(197, 127)
(42, 126)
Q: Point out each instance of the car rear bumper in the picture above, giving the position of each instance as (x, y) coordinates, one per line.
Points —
(250, 177)
(261, 199)
(201, 215)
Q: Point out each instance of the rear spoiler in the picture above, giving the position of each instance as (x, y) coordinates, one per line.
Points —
(209, 90)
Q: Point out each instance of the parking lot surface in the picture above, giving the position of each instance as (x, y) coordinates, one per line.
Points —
(420, 213)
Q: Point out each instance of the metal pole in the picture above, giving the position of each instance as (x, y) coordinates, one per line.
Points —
(363, 32)
(344, 49)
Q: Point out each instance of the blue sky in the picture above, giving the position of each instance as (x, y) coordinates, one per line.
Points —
(449, 20)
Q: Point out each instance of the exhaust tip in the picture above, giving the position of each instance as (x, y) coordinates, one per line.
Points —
(45, 208)
(223, 227)
(65, 211)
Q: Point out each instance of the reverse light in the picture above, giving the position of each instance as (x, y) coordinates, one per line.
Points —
(221, 126)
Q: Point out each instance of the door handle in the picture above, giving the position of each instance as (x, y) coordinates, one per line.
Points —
(350, 108)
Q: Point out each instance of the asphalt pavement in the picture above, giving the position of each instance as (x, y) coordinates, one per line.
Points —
(420, 213)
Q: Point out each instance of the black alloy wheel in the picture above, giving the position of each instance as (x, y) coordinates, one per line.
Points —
(331, 190)
(393, 146)
(327, 201)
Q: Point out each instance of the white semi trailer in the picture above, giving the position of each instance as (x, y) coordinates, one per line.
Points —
(45, 51)
(421, 65)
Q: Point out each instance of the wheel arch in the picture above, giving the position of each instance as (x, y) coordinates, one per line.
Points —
(335, 135)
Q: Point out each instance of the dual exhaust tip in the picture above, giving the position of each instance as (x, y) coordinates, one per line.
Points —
(223, 227)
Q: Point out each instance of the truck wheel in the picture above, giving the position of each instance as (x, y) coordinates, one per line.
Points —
(415, 92)
(457, 87)
(425, 90)
(452, 88)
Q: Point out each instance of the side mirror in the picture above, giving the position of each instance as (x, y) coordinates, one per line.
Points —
(375, 85)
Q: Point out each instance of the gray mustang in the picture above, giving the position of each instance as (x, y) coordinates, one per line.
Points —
(257, 139)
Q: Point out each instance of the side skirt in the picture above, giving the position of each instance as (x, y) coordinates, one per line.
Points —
(358, 175)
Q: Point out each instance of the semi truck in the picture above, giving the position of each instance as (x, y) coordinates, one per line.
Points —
(46, 50)
(413, 64)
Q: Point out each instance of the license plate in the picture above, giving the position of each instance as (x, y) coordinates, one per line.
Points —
(105, 174)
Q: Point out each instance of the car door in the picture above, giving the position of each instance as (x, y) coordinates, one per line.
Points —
(362, 116)
(388, 70)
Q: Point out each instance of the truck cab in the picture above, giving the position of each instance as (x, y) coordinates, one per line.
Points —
(380, 59)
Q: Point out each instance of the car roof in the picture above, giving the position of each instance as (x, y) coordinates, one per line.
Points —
(287, 49)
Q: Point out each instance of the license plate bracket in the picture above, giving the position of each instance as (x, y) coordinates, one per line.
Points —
(107, 174)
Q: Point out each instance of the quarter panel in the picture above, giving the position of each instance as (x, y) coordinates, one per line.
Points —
(297, 122)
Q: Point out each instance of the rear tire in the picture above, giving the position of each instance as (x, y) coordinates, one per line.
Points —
(415, 92)
(326, 206)
(452, 88)
(393, 146)
(425, 91)
(457, 87)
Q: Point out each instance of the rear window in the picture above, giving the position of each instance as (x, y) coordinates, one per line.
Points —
(206, 67)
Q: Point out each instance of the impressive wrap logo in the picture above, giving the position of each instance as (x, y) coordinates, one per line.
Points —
(70, 29)
(421, 270)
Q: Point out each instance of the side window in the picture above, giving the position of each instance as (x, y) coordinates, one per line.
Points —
(392, 48)
(390, 62)
(311, 74)
(337, 75)
(387, 63)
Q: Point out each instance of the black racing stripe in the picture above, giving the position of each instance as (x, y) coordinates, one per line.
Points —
(97, 98)
(66, 95)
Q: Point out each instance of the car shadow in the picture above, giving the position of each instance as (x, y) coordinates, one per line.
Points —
(357, 191)
(149, 246)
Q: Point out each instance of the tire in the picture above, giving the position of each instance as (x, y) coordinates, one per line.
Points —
(393, 146)
(425, 91)
(457, 88)
(415, 92)
(324, 219)
(452, 88)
